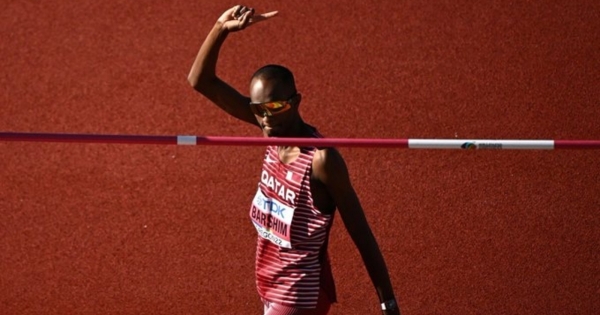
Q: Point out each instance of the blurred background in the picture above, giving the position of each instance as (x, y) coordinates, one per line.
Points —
(149, 229)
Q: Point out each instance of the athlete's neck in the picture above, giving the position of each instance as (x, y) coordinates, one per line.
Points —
(299, 130)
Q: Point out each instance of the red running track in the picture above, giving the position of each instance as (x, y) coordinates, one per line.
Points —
(120, 229)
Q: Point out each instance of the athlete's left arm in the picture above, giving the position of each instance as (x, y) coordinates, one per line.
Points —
(330, 168)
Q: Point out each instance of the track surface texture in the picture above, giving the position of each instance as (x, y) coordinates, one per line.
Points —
(151, 229)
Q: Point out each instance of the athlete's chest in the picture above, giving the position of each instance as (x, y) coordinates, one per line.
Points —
(281, 183)
(287, 180)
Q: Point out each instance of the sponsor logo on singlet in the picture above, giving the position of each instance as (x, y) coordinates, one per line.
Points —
(272, 219)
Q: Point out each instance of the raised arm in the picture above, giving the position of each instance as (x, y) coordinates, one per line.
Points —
(203, 77)
(329, 167)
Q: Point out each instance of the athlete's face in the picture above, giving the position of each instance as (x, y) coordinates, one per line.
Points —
(275, 106)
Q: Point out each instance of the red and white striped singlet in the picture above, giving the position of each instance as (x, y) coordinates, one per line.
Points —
(291, 254)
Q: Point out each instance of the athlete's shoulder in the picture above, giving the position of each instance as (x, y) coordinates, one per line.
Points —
(327, 161)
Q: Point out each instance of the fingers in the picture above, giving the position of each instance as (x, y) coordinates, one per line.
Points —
(240, 10)
(239, 17)
(270, 14)
(262, 17)
(230, 14)
(236, 11)
(244, 19)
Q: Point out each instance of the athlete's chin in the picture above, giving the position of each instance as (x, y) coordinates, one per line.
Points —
(272, 134)
(273, 131)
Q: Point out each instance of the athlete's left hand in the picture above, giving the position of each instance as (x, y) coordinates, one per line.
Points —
(394, 311)
(391, 312)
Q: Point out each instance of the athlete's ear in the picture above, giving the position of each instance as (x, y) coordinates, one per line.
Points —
(297, 98)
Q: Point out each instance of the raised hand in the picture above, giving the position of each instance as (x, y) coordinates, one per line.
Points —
(240, 17)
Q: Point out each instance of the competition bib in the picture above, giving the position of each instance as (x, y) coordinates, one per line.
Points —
(272, 219)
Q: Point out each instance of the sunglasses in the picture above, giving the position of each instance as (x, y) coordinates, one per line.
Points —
(271, 108)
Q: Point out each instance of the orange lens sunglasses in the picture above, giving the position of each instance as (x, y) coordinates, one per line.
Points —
(270, 108)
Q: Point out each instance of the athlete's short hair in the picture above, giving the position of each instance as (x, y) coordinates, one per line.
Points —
(276, 73)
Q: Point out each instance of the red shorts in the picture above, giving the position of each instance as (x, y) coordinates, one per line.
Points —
(323, 306)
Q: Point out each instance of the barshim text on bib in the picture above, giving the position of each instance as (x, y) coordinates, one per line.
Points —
(272, 219)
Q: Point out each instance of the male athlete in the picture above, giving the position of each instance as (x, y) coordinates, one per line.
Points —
(299, 187)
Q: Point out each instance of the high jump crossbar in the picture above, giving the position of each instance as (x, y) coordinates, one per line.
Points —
(333, 142)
